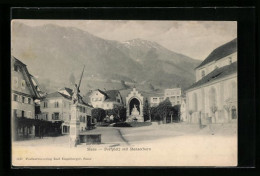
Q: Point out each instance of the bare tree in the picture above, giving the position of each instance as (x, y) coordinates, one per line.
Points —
(190, 113)
(214, 109)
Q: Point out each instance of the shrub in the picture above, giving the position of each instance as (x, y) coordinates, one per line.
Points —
(122, 124)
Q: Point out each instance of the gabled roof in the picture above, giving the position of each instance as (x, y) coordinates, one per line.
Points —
(27, 76)
(221, 52)
(216, 74)
(58, 94)
(111, 95)
(68, 90)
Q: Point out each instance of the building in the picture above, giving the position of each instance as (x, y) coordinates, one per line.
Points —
(55, 107)
(156, 100)
(174, 95)
(24, 92)
(105, 99)
(213, 97)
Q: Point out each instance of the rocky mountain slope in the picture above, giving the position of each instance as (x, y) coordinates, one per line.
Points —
(52, 53)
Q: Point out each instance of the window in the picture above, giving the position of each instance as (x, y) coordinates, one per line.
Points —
(23, 99)
(29, 100)
(16, 68)
(23, 84)
(56, 104)
(202, 73)
(46, 116)
(15, 97)
(84, 110)
(55, 116)
(45, 104)
(15, 81)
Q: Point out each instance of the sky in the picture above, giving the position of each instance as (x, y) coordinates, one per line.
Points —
(195, 39)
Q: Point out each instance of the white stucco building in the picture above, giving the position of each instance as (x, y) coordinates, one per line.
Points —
(56, 107)
(173, 94)
(213, 97)
(105, 99)
(24, 92)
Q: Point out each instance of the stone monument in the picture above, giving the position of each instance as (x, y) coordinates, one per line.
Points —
(135, 111)
(74, 122)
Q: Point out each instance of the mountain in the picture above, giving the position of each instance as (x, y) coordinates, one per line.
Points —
(52, 53)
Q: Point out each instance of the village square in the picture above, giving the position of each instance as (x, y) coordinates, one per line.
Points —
(128, 114)
(41, 115)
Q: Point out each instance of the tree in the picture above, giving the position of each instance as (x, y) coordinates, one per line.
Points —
(72, 79)
(228, 107)
(153, 114)
(146, 110)
(119, 113)
(190, 113)
(98, 114)
(163, 109)
(176, 112)
(214, 109)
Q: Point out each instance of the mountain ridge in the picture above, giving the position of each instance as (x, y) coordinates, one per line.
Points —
(54, 52)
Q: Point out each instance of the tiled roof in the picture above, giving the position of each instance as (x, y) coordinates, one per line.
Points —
(221, 52)
(58, 94)
(27, 75)
(216, 74)
(68, 90)
(111, 95)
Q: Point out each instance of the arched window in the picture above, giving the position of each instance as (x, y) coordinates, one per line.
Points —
(212, 97)
(194, 102)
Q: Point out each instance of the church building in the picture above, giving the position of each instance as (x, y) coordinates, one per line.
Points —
(213, 97)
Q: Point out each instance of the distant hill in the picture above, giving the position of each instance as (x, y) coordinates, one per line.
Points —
(52, 53)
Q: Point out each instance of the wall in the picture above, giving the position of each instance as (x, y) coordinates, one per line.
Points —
(18, 105)
(225, 89)
(212, 65)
